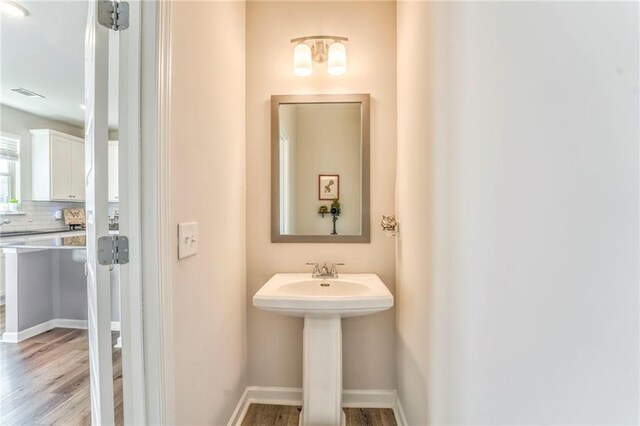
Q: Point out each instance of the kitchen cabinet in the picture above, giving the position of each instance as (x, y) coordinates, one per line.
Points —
(57, 165)
(113, 171)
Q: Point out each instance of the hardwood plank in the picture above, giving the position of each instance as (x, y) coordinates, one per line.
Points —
(27, 413)
(288, 415)
(276, 415)
(45, 380)
(22, 388)
(370, 416)
(72, 411)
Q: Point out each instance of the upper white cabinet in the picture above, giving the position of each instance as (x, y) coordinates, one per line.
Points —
(113, 171)
(57, 166)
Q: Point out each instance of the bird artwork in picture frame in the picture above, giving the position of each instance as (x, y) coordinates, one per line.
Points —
(328, 187)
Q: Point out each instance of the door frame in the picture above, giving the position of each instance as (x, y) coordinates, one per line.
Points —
(156, 230)
(147, 357)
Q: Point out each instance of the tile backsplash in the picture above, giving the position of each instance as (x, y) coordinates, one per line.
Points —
(40, 216)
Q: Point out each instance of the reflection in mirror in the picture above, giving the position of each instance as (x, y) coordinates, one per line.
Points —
(321, 170)
(320, 152)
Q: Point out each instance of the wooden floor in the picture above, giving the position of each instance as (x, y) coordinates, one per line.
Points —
(288, 415)
(45, 380)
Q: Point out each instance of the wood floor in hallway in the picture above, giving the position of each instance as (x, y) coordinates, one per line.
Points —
(288, 415)
(45, 380)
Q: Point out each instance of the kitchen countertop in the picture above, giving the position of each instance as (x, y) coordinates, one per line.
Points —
(66, 243)
(29, 233)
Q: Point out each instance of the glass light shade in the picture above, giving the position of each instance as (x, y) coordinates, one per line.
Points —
(12, 8)
(302, 64)
(337, 59)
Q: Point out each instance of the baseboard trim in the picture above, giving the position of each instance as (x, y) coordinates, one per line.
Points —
(13, 337)
(293, 396)
(241, 409)
(398, 411)
(69, 323)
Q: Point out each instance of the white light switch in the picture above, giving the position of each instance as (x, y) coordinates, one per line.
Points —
(187, 239)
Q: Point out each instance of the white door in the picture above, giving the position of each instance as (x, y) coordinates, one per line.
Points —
(125, 58)
(96, 205)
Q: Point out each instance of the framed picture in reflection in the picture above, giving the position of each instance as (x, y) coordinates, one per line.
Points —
(328, 187)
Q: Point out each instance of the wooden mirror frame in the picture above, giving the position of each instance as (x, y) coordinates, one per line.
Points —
(276, 101)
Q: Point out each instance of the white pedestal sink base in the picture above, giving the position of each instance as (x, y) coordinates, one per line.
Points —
(322, 372)
(323, 303)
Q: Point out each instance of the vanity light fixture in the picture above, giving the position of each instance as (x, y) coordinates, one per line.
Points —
(319, 49)
(12, 8)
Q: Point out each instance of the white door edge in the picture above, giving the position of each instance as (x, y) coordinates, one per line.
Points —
(95, 173)
(131, 303)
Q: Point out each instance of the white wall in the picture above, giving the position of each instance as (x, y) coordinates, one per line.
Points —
(207, 186)
(529, 113)
(275, 341)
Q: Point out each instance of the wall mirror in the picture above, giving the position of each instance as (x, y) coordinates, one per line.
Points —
(320, 169)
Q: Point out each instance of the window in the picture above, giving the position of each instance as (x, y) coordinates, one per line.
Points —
(9, 169)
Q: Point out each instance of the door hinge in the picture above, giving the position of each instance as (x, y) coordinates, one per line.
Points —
(113, 14)
(113, 250)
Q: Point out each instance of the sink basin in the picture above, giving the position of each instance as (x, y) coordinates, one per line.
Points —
(349, 295)
(323, 303)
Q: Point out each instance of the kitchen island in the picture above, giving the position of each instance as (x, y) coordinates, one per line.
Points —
(46, 286)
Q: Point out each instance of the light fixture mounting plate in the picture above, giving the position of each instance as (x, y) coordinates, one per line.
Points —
(318, 37)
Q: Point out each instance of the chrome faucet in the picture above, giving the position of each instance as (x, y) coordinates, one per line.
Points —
(324, 271)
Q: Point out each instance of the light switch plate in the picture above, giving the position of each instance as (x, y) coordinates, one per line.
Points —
(187, 239)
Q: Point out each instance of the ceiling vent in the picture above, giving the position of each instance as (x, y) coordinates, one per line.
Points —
(26, 92)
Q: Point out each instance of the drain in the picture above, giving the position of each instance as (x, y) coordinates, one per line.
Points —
(324, 284)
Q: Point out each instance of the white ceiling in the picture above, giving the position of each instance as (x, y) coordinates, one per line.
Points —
(44, 53)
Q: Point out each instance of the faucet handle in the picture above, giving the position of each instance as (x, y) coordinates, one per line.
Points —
(316, 267)
(334, 270)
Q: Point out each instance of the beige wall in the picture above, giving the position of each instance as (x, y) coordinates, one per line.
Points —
(517, 290)
(328, 149)
(19, 123)
(415, 197)
(275, 342)
(208, 186)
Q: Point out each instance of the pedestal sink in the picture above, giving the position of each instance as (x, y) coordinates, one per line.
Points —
(322, 303)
